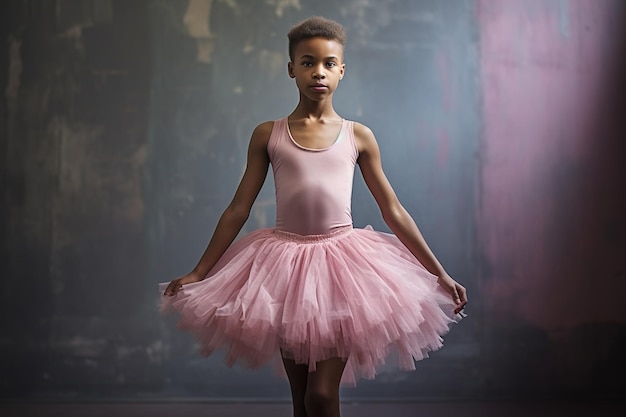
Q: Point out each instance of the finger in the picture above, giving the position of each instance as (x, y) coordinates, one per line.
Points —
(172, 288)
(463, 294)
(455, 296)
(461, 307)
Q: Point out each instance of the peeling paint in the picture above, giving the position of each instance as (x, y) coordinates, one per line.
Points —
(196, 20)
(78, 157)
(15, 72)
(232, 4)
(281, 5)
(81, 346)
(157, 351)
(72, 16)
(247, 48)
(272, 63)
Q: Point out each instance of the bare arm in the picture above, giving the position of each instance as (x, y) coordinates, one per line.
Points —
(396, 216)
(237, 212)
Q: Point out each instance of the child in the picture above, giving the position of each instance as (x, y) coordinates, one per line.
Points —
(332, 300)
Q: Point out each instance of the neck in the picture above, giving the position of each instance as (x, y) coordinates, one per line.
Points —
(307, 109)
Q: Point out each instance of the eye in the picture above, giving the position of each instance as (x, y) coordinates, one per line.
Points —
(331, 64)
(306, 63)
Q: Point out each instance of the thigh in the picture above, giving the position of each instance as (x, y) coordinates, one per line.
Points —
(297, 375)
(327, 376)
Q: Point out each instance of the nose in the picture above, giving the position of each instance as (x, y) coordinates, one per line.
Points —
(318, 74)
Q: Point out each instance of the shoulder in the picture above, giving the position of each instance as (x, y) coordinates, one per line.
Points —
(264, 130)
(261, 134)
(260, 138)
(364, 137)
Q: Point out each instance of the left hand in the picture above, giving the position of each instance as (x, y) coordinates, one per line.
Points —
(456, 291)
(177, 284)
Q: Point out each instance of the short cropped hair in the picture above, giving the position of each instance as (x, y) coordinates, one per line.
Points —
(315, 27)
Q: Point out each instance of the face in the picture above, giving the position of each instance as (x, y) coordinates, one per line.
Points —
(317, 67)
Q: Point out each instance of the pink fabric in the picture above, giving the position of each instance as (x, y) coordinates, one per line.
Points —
(356, 293)
(313, 186)
(333, 291)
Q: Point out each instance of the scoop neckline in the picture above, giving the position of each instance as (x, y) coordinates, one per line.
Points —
(343, 123)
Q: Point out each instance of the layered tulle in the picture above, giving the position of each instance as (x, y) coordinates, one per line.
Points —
(357, 294)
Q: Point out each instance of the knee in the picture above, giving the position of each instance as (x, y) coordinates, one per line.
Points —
(319, 401)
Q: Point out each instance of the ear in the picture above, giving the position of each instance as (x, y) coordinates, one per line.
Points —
(342, 71)
(290, 70)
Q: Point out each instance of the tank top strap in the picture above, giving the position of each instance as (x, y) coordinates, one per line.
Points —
(349, 131)
(279, 130)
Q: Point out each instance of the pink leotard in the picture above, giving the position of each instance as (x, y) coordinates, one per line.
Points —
(313, 186)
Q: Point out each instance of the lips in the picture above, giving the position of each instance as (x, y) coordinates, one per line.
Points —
(319, 87)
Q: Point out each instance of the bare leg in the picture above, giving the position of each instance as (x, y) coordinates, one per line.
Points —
(322, 389)
(297, 375)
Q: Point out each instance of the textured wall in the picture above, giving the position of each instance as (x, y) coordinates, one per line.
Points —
(76, 79)
(123, 131)
(552, 224)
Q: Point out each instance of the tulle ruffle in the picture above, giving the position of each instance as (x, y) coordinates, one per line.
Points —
(357, 294)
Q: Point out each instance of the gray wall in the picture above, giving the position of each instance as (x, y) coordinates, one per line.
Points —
(123, 136)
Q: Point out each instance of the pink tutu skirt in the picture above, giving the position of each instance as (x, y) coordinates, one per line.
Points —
(356, 294)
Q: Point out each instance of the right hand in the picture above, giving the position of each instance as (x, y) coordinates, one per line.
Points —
(177, 284)
(456, 291)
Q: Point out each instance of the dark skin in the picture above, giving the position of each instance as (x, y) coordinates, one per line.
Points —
(317, 68)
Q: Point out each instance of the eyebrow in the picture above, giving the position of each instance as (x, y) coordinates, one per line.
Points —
(312, 57)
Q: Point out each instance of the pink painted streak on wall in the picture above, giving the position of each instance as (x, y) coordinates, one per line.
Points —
(544, 75)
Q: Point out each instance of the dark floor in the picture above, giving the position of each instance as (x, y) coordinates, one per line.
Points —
(426, 409)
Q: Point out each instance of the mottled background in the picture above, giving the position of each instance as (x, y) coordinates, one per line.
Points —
(123, 130)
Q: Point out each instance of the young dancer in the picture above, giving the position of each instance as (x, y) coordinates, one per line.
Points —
(331, 300)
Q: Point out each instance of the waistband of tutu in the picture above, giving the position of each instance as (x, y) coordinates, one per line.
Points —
(334, 234)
